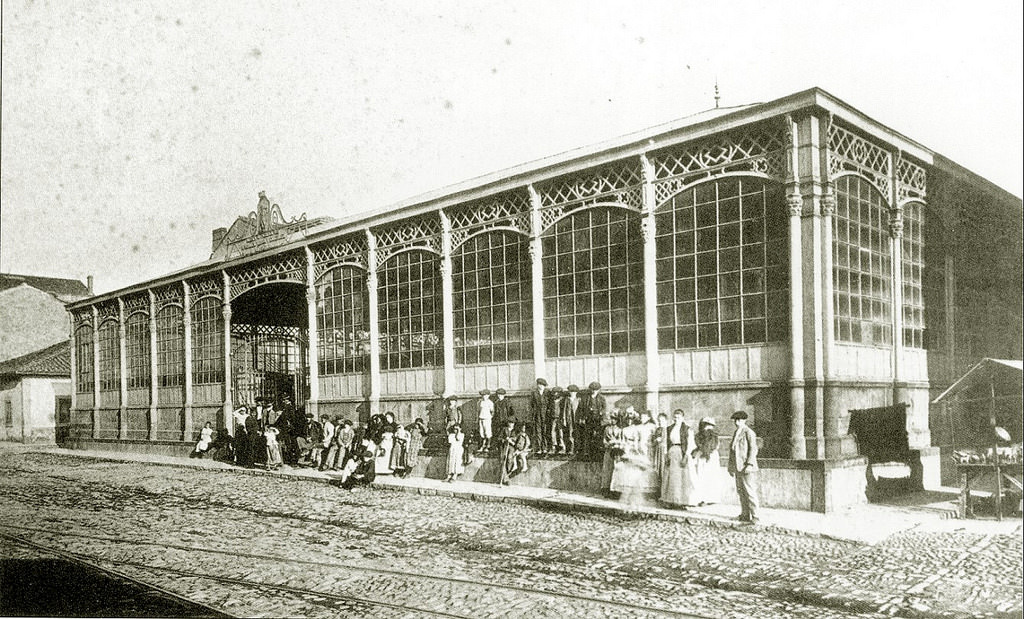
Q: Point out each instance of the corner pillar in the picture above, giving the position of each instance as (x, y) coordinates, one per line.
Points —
(227, 407)
(313, 335)
(648, 233)
(122, 360)
(95, 372)
(186, 323)
(537, 285)
(447, 306)
(374, 327)
(153, 392)
(795, 204)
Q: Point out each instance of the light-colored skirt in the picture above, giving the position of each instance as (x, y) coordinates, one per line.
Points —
(677, 478)
(455, 466)
(708, 478)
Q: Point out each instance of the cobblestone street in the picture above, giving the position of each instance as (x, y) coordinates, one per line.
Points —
(256, 545)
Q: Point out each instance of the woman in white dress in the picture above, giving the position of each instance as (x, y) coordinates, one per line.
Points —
(455, 440)
(387, 442)
(707, 466)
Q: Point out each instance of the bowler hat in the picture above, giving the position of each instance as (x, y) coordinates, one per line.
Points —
(739, 415)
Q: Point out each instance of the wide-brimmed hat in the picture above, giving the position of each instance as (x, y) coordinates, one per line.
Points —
(707, 421)
(739, 415)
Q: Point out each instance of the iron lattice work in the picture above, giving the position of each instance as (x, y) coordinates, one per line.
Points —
(107, 311)
(507, 211)
(619, 183)
(421, 232)
(168, 295)
(911, 181)
(349, 250)
(136, 303)
(82, 317)
(285, 268)
(758, 149)
(848, 152)
(206, 287)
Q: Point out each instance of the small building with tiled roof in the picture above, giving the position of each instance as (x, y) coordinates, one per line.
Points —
(35, 395)
(32, 314)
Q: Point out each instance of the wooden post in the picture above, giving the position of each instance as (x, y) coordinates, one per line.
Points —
(995, 447)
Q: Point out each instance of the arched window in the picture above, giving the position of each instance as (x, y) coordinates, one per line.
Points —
(110, 357)
(409, 289)
(170, 347)
(593, 284)
(137, 350)
(861, 266)
(85, 380)
(722, 265)
(207, 341)
(491, 299)
(343, 321)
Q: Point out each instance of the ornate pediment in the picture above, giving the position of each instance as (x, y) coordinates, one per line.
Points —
(259, 230)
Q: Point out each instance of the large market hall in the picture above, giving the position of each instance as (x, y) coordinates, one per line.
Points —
(793, 259)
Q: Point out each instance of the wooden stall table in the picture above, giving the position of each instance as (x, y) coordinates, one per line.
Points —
(1009, 472)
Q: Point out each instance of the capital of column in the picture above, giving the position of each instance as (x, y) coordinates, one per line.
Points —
(226, 308)
(371, 280)
(647, 229)
(534, 249)
(896, 224)
(445, 267)
(828, 204)
(795, 201)
(311, 296)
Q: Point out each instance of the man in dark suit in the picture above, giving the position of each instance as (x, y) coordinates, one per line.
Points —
(504, 411)
(568, 417)
(743, 466)
(539, 417)
(595, 418)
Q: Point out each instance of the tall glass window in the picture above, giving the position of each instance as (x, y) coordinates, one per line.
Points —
(170, 347)
(593, 284)
(207, 342)
(722, 265)
(85, 380)
(861, 264)
(409, 304)
(913, 275)
(491, 298)
(137, 350)
(342, 321)
(110, 356)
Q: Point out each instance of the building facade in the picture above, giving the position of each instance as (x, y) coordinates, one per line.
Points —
(794, 259)
(32, 312)
(35, 393)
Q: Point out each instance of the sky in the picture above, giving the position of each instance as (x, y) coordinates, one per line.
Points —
(130, 130)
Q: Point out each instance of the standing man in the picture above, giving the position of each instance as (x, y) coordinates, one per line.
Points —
(485, 413)
(504, 412)
(595, 418)
(452, 413)
(569, 416)
(743, 466)
(539, 416)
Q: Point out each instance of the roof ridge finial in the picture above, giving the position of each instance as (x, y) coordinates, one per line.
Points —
(717, 97)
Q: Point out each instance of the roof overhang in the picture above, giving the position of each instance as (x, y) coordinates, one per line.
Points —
(983, 370)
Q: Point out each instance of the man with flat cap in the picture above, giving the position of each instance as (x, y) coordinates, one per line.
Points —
(568, 417)
(743, 466)
(504, 411)
(554, 418)
(485, 413)
(539, 417)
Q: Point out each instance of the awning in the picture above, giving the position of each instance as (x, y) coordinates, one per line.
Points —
(984, 370)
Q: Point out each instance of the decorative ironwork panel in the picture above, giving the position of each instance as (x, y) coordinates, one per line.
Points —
(848, 152)
(509, 210)
(169, 295)
(421, 232)
(758, 149)
(621, 182)
(108, 310)
(285, 268)
(346, 250)
(136, 303)
(206, 287)
(82, 317)
(911, 180)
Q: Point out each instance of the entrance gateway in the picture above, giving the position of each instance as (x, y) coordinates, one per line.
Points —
(269, 341)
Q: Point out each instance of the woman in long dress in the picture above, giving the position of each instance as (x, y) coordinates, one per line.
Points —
(417, 434)
(387, 441)
(274, 460)
(651, 478)
(707, 466)
(400, 451)
(677, 488)
(658, 438)
(611, 438)
(455, 441)
(631, 471)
